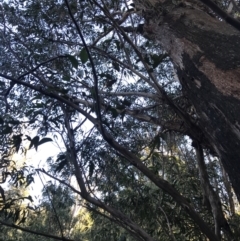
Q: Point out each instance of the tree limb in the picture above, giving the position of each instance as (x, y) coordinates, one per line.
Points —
(11, 225)
(210, 194)
(161, 183)
(222, 14)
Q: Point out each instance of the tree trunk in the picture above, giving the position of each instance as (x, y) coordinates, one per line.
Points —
(206, 55)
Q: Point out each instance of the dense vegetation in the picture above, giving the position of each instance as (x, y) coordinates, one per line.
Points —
(133, 163)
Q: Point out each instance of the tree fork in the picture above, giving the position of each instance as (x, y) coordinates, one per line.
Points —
(206, 56)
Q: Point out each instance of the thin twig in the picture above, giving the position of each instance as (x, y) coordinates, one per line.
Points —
(53, 207)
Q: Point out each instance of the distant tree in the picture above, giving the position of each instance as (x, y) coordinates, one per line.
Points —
(56, 216)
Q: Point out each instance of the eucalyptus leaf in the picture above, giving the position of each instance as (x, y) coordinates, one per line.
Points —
(83, 55)
(73, 61)
(44, 140)
(34, 142)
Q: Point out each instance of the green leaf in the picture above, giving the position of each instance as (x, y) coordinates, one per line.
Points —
(83, 56)
(28, 137)
(123, 114)
(29, 180)
(17, 214)
(17, 140)
(122, 238)
(157, 59)
(120, 107)
(114, 112)
(34, 142)
(156, 142)
(91, 168)
(61, 165)
(22, 220)
(73, 61)
(66, 77)
(61, 156)
(110, 83)
(44, 140)
(28, 113)
(118, 44)
(7, 130)
(30, 198)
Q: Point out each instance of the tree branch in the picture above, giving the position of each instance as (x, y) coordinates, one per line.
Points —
(85, 194)
(161, 183)
(33, 232)
(222, 14)
(98, 110)
(54, 209)
(210, 194)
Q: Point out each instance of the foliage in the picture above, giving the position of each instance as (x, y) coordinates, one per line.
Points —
(79, 73)
(56, 214)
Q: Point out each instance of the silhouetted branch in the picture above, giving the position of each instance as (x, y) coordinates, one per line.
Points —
(11, 225)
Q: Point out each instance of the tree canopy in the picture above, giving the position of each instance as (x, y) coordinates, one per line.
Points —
(139, 151)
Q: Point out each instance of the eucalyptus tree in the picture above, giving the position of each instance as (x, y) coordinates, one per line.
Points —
(57, 215)
(131, 92)
(202, 40)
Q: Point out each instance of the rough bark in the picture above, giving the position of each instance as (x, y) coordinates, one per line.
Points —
(206, 56)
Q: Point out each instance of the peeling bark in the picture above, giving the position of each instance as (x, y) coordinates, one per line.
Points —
(206, 55)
